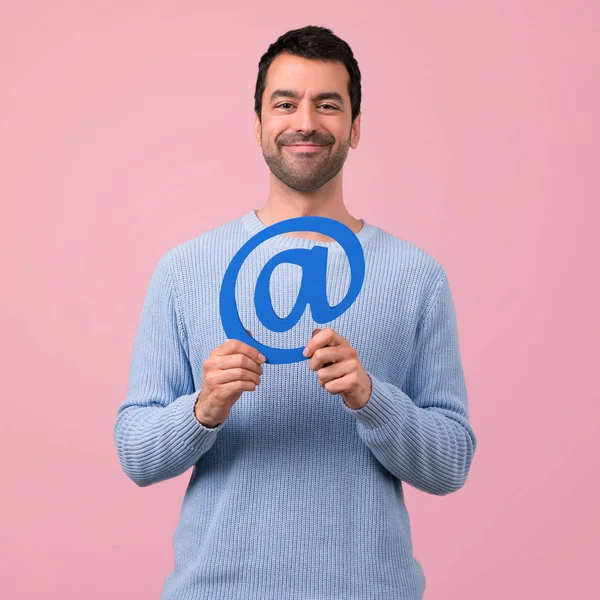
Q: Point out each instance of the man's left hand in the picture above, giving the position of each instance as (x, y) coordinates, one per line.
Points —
(338, 367)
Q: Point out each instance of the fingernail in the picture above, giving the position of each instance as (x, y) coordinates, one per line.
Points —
(262, 357)
(305, 351)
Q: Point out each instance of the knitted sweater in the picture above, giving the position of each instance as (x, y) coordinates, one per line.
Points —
(296, 496)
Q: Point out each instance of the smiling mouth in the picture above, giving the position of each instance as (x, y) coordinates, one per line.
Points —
(303, 147)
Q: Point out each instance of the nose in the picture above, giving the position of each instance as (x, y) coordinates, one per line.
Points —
(304, 119)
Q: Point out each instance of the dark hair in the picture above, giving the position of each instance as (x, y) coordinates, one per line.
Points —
(316, 42)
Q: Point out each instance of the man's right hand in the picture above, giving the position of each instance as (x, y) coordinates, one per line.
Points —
(231, 369)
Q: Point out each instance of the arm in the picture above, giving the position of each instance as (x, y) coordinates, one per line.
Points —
(156, 433)
(423, 436)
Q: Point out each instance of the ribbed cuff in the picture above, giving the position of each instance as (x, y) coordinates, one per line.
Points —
(382, 407)
(189, 430)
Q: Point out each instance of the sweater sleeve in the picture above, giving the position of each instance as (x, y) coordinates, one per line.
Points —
(423, 435)
(156, 432)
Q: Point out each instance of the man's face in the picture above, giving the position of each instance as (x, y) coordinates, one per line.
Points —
(292, 113)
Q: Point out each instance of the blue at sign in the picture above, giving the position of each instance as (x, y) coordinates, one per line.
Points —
(313, 288)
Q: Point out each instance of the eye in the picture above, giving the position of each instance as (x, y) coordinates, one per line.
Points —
(332, 107)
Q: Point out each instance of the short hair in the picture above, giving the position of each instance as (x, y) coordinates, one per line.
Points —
(314, 42)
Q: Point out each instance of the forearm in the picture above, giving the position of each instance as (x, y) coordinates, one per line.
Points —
(430, 448)
(159, 442)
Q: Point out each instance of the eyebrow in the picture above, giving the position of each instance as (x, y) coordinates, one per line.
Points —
(294, 94)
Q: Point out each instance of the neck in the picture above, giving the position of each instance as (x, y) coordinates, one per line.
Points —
(286, 203)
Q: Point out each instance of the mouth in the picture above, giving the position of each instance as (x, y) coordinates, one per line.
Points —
(304, 147)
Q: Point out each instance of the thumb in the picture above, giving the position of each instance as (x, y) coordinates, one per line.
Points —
(315, 331)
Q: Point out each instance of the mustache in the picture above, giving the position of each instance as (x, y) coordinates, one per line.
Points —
(313, 140)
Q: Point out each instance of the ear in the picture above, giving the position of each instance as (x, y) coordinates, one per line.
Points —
(257, 129)
(355, 131)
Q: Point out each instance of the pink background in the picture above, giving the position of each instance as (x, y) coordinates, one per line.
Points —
(126, 128)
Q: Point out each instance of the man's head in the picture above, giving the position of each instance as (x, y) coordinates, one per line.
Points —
(308, 90)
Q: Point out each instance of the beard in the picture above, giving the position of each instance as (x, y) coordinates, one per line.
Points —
(305, 172)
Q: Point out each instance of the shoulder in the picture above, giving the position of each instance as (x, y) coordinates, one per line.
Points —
(211, 239)
(396, 253)
(405, 269)
(205, 249)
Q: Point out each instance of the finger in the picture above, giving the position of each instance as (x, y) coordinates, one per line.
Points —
(237, 388)
(336, 371)
(324, 337)
(325, 356)
(233, 346)
(326, 345)
(237, 361)
(236, 374)
(340, 384)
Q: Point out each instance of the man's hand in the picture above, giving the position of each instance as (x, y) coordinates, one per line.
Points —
(338, 367)
(232, 368)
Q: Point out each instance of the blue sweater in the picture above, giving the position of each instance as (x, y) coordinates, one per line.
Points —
(295, 496)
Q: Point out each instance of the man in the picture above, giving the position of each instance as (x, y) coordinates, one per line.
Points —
(298, 469)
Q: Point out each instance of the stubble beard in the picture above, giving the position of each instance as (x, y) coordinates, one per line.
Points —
(305, 173)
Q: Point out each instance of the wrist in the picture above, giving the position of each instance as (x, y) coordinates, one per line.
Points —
(201, 418)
